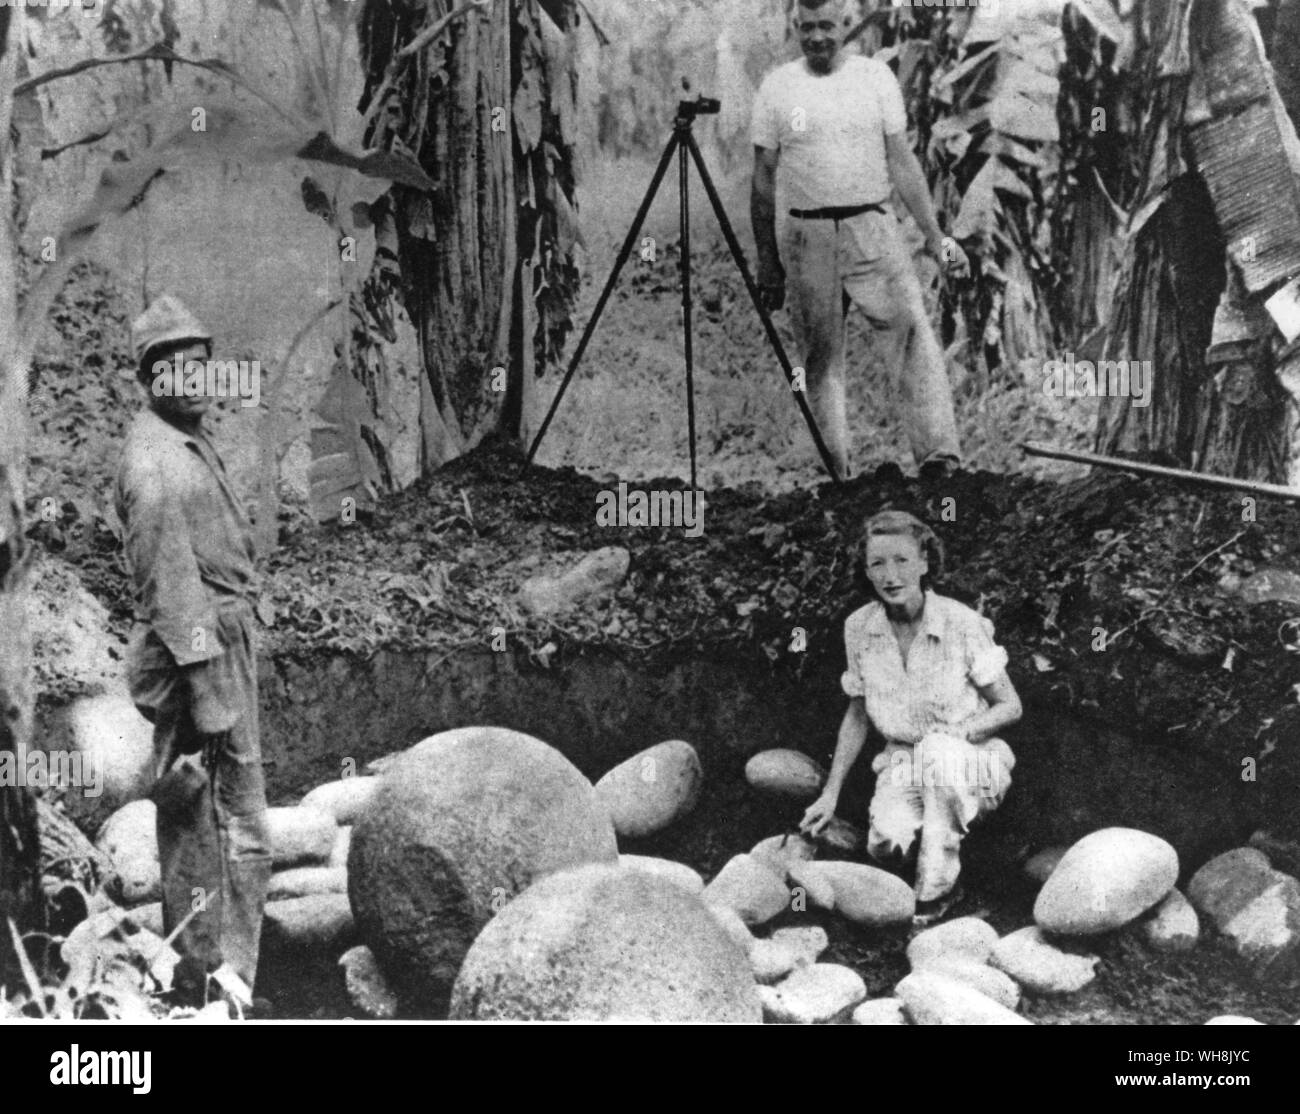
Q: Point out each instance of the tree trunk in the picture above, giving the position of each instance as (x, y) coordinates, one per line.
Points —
(20, 893)
(458, 264)
(1208, 125)
(487, 274)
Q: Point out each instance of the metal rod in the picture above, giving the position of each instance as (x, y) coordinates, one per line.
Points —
(684, 263)
(774, 339)
(624, 252)
(1160, 471)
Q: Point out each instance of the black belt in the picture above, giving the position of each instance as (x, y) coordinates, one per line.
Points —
(836, 212)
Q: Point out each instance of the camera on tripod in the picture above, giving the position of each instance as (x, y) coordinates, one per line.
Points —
(682, 144)
(700, 106)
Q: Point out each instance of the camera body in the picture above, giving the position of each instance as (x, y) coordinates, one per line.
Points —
(700, 106)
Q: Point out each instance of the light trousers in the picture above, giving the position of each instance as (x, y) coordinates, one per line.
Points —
(864, 259)
(933, 792)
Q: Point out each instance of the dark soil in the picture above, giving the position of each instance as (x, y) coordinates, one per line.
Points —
(1190, 673)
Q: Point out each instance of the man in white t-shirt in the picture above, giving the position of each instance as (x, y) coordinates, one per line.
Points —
(836, 125)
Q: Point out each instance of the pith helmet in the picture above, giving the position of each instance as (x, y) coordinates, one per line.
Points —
(166, 320)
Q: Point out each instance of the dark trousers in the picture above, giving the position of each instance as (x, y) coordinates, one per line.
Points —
(213, 844)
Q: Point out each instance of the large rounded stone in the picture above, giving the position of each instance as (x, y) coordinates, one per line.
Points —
(130, 840)
(652, 789)
(736, 930)
(989, 981)
(300, 835)
(598, 943)
(1106, 880)
(678, 873)
(880, 1011)
(1266, 933)
(933, 998)
(303, 881)
(343, 799)
(867, 895)
(750, 888)
(967, 938)
(1041, 967)
(115, 745)
(808, 881)
(1173, 925)
(780, 853)
(814, 995)
(787, 950)
(367, 989)
(1038, 868)
(786, 773)
(461, 824)
(1225, 885)
(321, 922)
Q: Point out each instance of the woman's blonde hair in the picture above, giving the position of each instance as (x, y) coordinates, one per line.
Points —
(896, 524)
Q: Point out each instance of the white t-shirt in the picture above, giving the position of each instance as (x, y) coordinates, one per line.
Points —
(830, 130)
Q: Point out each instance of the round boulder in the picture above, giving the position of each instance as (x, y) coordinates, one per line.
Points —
(303, 881)
(459, 825)
(1173, 925)
(343, 799)
(967, 938)
(365, 984)
(867, 895)
(321, 921)
(989, 981)
(880, 1011)
(114, 744)
(780, 853)
(130, 840)
(933, 998)
(1041, 967)
(811, 884)
(678, 873)
(786, 773)
(599, 942)
(1225, 885)
(300, 835)
(746, 885)
(1038, 868)
(814, 995)
(652, 789)
(1106, 880)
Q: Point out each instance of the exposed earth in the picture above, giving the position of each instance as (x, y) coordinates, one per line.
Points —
(1158, 693)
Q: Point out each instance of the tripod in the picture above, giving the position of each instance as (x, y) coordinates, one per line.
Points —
(682, 142)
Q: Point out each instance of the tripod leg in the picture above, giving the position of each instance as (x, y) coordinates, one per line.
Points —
(623, 252)
(684, 206)
(773, 338)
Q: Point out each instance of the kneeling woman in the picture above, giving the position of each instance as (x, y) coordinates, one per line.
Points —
(924, 671)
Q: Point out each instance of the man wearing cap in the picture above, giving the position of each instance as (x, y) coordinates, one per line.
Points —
(836, 125)
(191, 662)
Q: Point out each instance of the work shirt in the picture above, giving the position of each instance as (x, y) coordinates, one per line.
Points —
(830, 130)
(189, 548)
(952, 656)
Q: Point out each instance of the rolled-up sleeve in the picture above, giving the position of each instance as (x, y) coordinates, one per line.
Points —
(986, 660)
(764, 130)
(161, 558)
